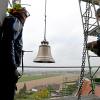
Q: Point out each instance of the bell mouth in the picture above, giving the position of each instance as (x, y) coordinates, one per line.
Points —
(44, 60)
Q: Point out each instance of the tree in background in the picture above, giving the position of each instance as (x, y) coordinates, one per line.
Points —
(68, 89)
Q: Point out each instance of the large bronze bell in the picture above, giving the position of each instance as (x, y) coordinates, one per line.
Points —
(44, 54)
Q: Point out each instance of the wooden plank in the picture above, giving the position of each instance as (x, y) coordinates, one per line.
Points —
(95, 1)
(93, 32)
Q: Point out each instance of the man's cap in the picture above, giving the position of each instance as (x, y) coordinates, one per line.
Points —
(22, 10)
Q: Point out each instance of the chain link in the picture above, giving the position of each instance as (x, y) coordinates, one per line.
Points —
(85, 27)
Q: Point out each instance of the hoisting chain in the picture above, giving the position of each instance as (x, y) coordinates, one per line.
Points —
(85, 27)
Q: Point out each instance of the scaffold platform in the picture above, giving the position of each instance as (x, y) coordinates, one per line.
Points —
(94, 32)
(95, 1)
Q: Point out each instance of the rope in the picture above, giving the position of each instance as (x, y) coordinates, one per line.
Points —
(45, 21)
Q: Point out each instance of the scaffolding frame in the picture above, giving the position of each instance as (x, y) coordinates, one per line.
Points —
(90, 26)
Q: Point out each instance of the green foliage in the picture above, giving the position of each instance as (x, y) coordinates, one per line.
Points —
(42, 94)
(17, 6)
(97, 80)
(39, 95)
(50, 88)
(30, 77)
(68, 90)
(27, 77)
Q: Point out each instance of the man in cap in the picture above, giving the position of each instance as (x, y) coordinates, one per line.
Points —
(11, 50)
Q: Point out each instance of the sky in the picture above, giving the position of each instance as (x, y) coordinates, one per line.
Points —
(64, 31)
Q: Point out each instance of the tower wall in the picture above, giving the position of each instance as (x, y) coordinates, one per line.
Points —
(3, 7)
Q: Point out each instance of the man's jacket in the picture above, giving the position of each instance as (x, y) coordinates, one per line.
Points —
(11, 43)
